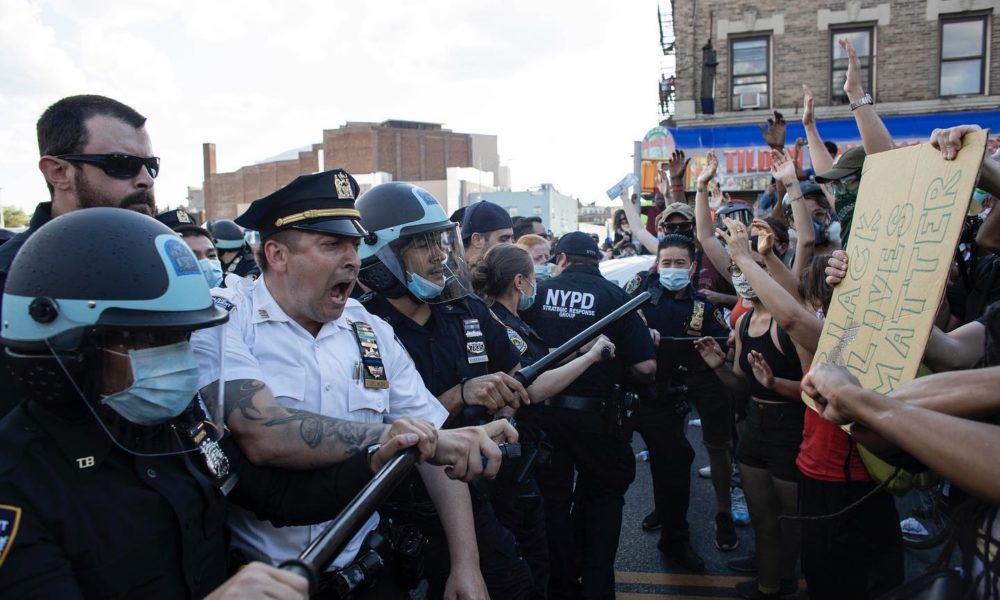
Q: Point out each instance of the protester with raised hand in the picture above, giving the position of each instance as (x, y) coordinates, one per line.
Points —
(949, 142)
(783, 170)
(675, 172)
(710, 244)
(819, 156)
(772, 431)
(874, 134)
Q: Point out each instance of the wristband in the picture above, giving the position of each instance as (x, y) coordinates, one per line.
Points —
(677, 188)
(461, 390)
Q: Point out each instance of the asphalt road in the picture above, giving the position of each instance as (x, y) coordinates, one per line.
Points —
(643, 574)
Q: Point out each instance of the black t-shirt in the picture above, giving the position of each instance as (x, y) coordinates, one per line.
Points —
(579, 297)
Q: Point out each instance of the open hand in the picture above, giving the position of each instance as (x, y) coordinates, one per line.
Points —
(765, 236)
(708, 171)
(852, 83)
(678, 166)
(710, 352)
(761, 370)
(783, 168)
(808, 109)
(736, 237)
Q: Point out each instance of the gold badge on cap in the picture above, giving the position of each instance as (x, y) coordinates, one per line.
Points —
(343, 186)
(182, 217)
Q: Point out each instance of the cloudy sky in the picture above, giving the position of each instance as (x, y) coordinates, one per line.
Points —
(565, 85)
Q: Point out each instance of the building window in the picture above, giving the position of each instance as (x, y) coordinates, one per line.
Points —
(863, 40)
(751, 65)
(963, 52)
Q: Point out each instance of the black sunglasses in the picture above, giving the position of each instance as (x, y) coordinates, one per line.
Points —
(119, 166)
(678, 227)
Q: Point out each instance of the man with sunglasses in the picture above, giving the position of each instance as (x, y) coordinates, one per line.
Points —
(94, 152)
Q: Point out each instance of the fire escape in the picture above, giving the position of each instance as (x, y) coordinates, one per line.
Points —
(668, 61)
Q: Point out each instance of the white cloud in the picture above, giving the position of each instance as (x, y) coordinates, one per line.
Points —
(566, 86)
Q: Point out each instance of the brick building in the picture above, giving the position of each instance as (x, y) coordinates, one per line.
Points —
(406, 150)
(926, 63)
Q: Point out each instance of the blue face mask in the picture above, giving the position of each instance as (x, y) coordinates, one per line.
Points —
(525, 301)
(660, 237)
(165, 380)
(543, 271)
(422, 288)
(674, 279)
(211, 268)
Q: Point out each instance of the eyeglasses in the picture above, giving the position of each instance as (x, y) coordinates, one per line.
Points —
(842, 185)
(119, 166)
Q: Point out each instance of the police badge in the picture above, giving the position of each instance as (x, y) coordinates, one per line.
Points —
(343, 187)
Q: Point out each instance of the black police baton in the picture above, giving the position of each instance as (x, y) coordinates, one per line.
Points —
(529, 374)
(315, 559)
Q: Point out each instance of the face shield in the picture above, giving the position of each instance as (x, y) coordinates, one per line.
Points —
(145, 394)
(431, 264)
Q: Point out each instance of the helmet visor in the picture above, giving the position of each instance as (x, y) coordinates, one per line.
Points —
(431, 264)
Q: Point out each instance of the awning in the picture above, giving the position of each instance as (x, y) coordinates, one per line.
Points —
(902, 128)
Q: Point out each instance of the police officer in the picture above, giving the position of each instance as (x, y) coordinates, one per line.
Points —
(484, 225)
(198, 239)
(582, 423)
(680, 315)
(235, 254)
(414, 264)
(113, 482)
(311, 376)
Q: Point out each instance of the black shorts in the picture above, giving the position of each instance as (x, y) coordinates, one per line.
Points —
(770, 438)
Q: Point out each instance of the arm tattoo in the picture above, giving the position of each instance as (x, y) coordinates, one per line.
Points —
(313, 428)
(239, 395)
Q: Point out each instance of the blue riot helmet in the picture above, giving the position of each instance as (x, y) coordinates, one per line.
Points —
(228, 235)
(99, 292)
(411, 246)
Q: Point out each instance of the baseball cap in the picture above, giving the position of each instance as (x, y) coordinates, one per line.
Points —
(578, 243)
(849, 163)
(678, 208)
(484, 217)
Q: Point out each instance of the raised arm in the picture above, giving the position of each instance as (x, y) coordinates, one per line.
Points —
(818, 154)
(783, 169)
(874, 135)
(775, 267)
(631, 209)
(676, 171)
(710, 244)
(803, 326)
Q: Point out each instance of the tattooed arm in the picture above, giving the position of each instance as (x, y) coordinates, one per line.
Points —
(273, 436)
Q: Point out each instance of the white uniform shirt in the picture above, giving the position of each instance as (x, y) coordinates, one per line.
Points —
(315, 374)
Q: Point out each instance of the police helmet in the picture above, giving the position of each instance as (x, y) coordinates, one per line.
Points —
(402, 220)
(228, 235)
(809, 190)
(87, 273)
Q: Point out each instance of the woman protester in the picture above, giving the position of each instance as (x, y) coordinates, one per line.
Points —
(768, 368)
(539, 248)
(505, 278)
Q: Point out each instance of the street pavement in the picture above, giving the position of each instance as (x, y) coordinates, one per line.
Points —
(642, 573)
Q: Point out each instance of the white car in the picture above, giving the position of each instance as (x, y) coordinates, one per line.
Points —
(621, 270)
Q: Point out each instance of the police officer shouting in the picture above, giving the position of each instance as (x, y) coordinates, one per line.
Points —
(584, 423)
(681, 315)
(311, 376)
(113, 483)
(414, 263)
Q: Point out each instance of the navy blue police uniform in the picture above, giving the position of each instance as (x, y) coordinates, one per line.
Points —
(460, 341)
(577, 426)
(682, 379)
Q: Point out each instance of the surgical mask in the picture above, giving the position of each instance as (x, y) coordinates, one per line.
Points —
(543, 271)
(423, 288)
(164, 381)
(211, 268)
(525, 301)
(674, 279)
(742, 287)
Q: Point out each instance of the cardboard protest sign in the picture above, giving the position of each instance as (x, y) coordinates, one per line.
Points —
(909, 214)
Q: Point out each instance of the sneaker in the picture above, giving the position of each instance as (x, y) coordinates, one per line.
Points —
(741, 516)
(750, 591)
(705, 472)
(745, 564)
(695, 423)
(725, 533)
(651, 522)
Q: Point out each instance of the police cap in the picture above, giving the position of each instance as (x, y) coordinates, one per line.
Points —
(484, 217)
(321, 202)
(182, 221)
(578, 243)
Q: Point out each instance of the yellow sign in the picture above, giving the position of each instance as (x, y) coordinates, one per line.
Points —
(909, 215)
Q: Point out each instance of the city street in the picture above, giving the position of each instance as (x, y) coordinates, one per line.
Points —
(643, 574)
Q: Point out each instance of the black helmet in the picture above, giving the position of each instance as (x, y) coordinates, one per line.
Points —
(733, 210)
(399, 217)
(228, 235)
(87, 273)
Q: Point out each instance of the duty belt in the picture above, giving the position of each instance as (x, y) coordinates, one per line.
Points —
(577, 403)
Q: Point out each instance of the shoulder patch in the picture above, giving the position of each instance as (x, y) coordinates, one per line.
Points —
(633, 284)
(10, 518)
(516, 340)
(223, 303)
(721, 319)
